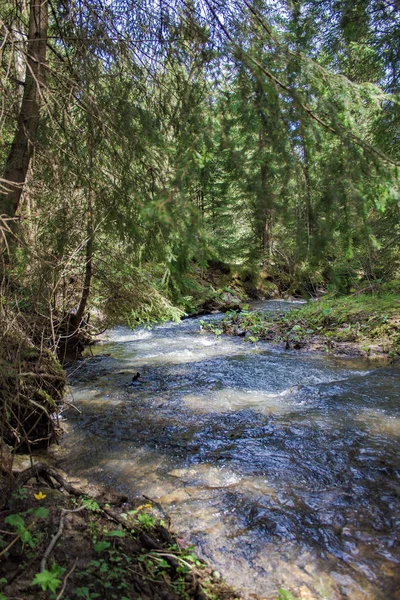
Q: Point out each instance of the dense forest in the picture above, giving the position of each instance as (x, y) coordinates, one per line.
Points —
(139, 139)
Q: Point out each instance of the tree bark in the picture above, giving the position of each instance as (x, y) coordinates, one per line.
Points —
(265, 199)
(305, 165)
(20, 155)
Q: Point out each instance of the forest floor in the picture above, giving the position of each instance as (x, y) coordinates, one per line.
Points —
(71, 540)
(363, 324)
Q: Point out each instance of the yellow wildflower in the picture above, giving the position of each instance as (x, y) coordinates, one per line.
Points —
(143, 506)
(40, 496)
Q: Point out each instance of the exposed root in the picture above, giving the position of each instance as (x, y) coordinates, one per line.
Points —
(66, 579)
(32, 386)
(57, 535)
(39, 469)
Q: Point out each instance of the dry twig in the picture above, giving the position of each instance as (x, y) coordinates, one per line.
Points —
(66, 579)
(56, 536)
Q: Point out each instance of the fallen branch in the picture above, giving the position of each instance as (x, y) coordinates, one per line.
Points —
(56, 536)
(40, 375)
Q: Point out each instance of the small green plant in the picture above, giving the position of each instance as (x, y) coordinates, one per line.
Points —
(284, 595)
(20, 494)
(101, 546)
(146, 520)
(3, 581)
(49, 580)
(113, 568)
(189, 556)
(215, 326)
(115, 533)
(90, 504)
(85, 593)
(22, 529)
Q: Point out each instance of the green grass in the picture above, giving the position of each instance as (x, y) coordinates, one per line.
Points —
(375, 315)
(361, 319)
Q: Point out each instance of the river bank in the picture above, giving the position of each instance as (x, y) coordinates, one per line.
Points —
(63, 538)
(366, 325)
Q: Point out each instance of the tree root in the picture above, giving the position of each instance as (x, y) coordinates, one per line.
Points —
(56, 536)
(66, 579)
(42, 469)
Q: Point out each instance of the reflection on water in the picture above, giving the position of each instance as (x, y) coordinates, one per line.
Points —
(282, 468)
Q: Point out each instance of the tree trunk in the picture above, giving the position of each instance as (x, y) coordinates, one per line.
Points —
(73, 338)
(305, 164)
(90, 235)
(265, 192)
(265, 196)
(20, 155)
(89, 264)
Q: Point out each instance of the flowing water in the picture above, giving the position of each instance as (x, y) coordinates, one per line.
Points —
(282, 468)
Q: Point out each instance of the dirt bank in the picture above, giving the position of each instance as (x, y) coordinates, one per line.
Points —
(68, 539)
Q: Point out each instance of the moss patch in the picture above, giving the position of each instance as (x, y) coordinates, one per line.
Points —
(221, 287)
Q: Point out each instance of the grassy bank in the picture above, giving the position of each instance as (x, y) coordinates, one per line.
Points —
(366, 324)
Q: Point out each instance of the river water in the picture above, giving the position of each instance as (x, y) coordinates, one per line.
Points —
(281, 468)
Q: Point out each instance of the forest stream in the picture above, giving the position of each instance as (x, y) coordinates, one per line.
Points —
(281, 468)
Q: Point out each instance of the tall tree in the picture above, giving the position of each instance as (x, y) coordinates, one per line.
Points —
(19, 157)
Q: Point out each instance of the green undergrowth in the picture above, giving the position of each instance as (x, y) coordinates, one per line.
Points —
(364, 323)
(108, 551)
(219, 286)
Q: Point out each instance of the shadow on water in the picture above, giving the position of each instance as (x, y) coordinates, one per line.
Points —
(282, 468)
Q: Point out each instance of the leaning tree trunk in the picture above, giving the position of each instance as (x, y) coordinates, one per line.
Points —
(20, 155)
(74, 336)
(88, 263)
